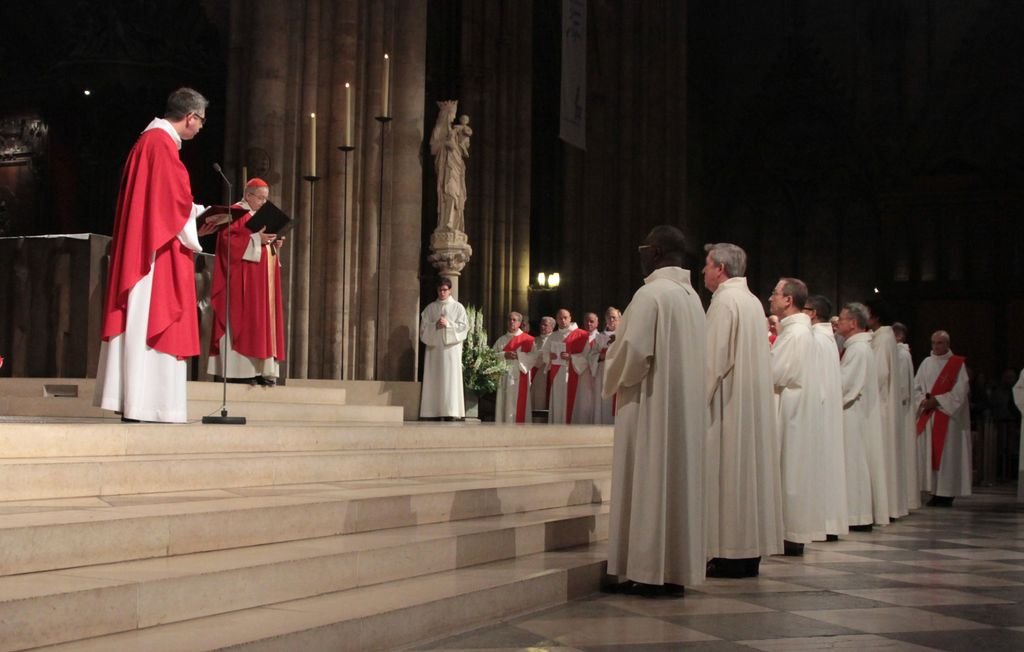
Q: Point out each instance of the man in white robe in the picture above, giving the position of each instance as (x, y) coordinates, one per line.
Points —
(512, 403)
(604, 408)
(819, 309)
(797, 382)
(539, 373)
(943, 423)
(443, 328)
(656, 532)
(563, 380)
(585, 365)
(867, 496)
(1018, 399)
(884, 345)
(743, 490)
(905, 389)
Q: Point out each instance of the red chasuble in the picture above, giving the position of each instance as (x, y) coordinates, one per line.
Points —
(940, 426)
(257, 314)
(522, 342)
(575, 343)
(153, 205)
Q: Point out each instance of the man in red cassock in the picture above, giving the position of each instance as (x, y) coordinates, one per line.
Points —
(150, 323)
(255, 346)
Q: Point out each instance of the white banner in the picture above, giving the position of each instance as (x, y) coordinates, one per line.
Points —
(573, 114)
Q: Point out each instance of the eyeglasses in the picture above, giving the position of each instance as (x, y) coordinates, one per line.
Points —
(201, 118)
(641, 248)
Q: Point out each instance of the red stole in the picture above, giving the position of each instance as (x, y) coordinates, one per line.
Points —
(153, 205)
(522, 342)
(940, 426)
(575, 343)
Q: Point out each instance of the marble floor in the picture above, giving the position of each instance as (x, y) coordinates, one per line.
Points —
(939, 579)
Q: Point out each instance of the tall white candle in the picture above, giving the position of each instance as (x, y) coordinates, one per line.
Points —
(386, 93)
(348, 114)
(312, 144)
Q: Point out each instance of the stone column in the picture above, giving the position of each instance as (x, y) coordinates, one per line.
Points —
(450, 251)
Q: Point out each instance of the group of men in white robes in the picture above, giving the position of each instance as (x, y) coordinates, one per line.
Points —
(560, 370)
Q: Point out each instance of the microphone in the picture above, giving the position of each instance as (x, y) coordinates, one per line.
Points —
(220, 171)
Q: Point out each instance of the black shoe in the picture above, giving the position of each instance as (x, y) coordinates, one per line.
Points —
(831, 538)
(653, 591)
(940, 501)
(791, 549)
(125, 419)
(734, 568)
(861, 528)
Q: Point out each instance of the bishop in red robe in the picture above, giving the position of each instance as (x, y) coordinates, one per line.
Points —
(255, 346)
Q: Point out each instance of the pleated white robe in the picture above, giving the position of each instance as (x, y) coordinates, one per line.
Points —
(656, 531)
(1018, 398)
(798, 397)
(905, 389)
(884, 345)
(743, 490)
(585, 364)
(603, 407)
(862, 433)
(442, 363)
(954, 475)
(831, 430)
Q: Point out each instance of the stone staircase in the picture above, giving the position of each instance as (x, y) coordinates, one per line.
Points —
(289, 533)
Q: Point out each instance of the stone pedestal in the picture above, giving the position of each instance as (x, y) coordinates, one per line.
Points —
(450, 251)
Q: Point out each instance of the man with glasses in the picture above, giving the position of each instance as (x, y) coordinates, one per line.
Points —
(150, 326)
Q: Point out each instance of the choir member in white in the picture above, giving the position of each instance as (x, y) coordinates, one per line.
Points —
(743, 492)
(443, 328)
(883, 343)
(585, 366)
(819, 309)
(944, 423)
(656, 531)
(512, 403)
(562, 379)
(539, 373)
(797, 382)
(866, 491)
(905, 389)
(604, 408)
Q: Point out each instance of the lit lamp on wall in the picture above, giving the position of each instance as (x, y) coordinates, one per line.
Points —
(547, 281)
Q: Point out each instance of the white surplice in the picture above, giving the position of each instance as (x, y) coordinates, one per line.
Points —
(905, 389)
(831, 430)
(866, 495)
(558, 380)
(884, 345)
(507, 398)
(442, 363)
(539, 384)
(954, 475)
(798, 397)
(656, 533)
(585, 364)
(132, 378)
(603, 407)
(743, 490)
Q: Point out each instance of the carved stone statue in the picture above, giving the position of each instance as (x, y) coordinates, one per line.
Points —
(449, 145)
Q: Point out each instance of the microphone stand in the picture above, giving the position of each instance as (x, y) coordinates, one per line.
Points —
(224, 419)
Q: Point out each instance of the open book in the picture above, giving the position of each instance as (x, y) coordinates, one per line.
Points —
(219, 215)
(273, 218)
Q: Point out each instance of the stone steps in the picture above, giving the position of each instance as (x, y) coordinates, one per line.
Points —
(53, 607)
(379, 617)
(60, 534)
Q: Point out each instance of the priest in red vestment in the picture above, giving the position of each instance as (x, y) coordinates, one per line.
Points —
(150, 323)
(255, 346)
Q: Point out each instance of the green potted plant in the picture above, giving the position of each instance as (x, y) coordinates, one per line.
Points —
(482, 366)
